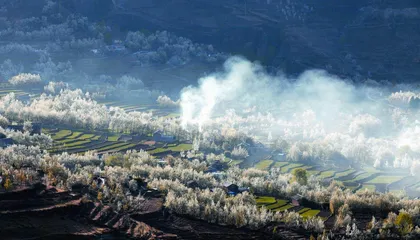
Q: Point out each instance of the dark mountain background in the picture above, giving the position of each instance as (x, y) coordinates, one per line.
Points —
(378, 39)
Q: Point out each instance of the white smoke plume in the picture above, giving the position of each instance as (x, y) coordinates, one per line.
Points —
(316, 112)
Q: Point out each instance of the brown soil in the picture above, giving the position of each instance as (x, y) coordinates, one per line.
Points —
(39, 213)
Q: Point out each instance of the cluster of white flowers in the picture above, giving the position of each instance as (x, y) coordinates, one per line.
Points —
(25, 79)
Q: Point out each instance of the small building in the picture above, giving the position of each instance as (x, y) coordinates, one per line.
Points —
(217, 166)
(100, 181)
(279, 156)
(36, 128)
(5, 142)
(158, 136)
(153, 192)
(297, 200)
(162, 162)
(231, 189)
(192, 184)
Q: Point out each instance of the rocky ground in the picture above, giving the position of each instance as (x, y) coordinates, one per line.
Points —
(38, 212)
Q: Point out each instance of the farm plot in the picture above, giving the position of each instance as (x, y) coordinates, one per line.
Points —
(385, 179)
(177, 148)
(277, 204)
(61, 134)
(264, 164)
(113, 138)
(289, 167)
(280, 164)
(327, 174)
(265, 200)
(344, 173)
(310, 213)
(75, 135)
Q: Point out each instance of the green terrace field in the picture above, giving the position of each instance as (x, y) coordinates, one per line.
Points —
(66, 140)
(280, 205)
(327, 174)
(385, 179)
(280, 164)
(290, 167)
(264, 164)
(345, 173)
(369, 177)
(178, 148)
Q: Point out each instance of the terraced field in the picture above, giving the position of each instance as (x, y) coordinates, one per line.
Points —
(369, 178)
(280, 164)
(264, 164)
(327, 174)
(280, 205)
(178, 148)
(385, 179)
(290, 167)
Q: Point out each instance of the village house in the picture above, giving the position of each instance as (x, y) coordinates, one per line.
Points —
(158, 136)
(217, 166)
(5, 142)
(296, 200)
(192, 184)
(230, 188)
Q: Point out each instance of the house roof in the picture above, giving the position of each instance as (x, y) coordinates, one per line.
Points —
(228, 184)
(297, 197)
(158, 132)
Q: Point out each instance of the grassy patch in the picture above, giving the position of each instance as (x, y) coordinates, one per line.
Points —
(345, 173)
(78, 143)
(265, 200)
(181, 147)
(96, 137)
(113, 138)
(313, 172)
(264, 164)
(116, 147)
(310, 213)
(61, 134)
(284, 208)
(303, 210)
(280, 164)
(289, 167)
(362, 176)
(75, 135)
(157, 150)
(279, 203)
(86, 136)
(327, 174)
(385, 179)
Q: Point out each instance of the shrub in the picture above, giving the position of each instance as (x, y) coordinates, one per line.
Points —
(300, 176)
(404, 223)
